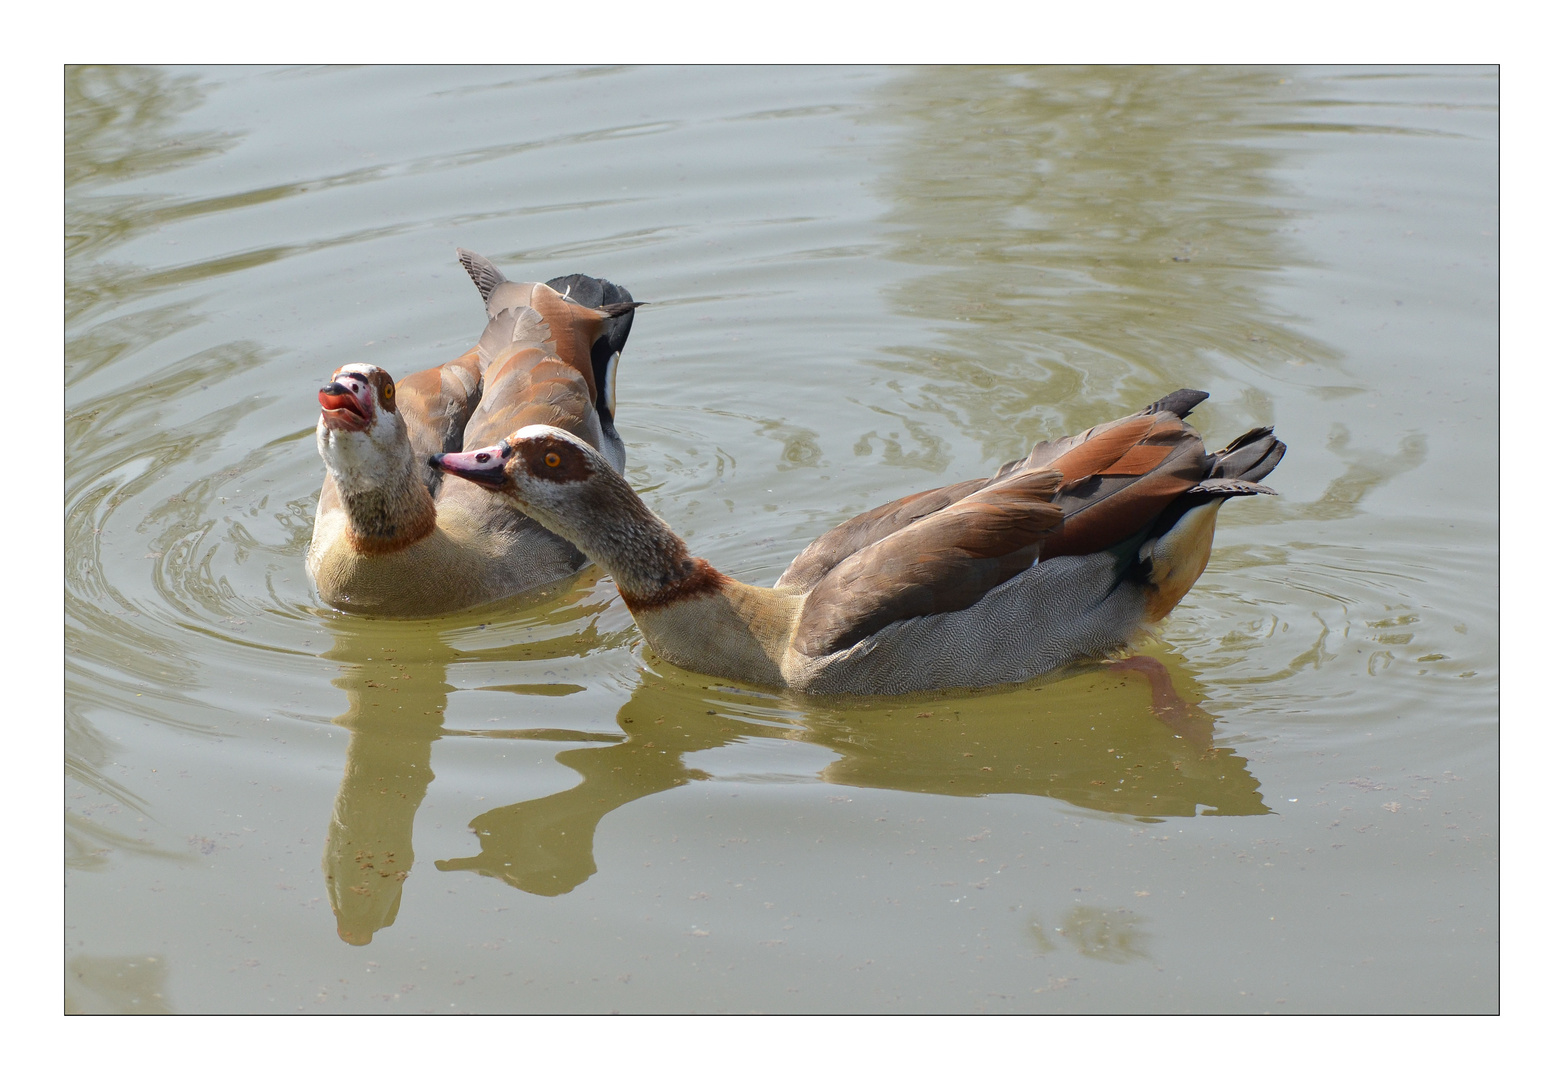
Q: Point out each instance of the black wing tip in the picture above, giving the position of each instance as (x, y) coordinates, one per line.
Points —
(1252, 435)
(1251, 456)
(1180, 402)
(614, 310)
(592, 292)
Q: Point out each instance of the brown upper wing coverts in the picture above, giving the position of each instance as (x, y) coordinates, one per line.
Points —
(944, 561)
(943, 550)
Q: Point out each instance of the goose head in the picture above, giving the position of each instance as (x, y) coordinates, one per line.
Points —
(545, 472)
(572, 490)
(360, 435)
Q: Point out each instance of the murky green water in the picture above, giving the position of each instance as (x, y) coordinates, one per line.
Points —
(864, 283)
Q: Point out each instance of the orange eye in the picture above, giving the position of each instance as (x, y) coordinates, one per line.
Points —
(388, 393)
(551, 459)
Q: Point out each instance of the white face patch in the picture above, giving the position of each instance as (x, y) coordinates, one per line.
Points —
(533, 430)
(362, 460)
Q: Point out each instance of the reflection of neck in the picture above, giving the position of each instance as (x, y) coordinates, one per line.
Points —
(545, 845)
(369, 843)
(396, 693)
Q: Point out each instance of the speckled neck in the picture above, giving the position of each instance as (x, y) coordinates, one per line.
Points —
(381, 520)
(387, 504)
(647, 559)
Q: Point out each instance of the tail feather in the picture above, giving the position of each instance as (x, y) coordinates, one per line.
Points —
(1221, 485)
(1180, 403)
(1178, 543)
(1250, 457)
(484, 273)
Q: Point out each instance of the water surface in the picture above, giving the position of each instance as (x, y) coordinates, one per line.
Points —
(863, 283)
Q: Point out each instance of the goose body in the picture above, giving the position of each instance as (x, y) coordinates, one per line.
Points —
(392, 537)
(1060, 556)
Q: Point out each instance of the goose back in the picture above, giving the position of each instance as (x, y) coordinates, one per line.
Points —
(1060, 555)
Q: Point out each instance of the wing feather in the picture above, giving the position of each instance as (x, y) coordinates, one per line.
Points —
(1109, 507)
(944, 561)
(944, 549)
(436, 405)
(855, 534)
(531, 386)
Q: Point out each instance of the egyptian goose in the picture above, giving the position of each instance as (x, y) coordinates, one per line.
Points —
(1059, 556)
(391, 537)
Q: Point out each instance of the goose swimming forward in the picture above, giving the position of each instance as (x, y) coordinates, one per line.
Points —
(391, 537)
(1060, 556)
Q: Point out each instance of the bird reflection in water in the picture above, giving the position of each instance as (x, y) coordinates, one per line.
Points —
(395, 712)
(1090, 738)
(394, 674)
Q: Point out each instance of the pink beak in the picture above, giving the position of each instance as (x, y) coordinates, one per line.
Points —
(485, 467)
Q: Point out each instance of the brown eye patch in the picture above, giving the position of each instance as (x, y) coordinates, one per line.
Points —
(385, 389)
(550, 458)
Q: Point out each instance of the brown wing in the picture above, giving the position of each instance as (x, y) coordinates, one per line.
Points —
(570, 328)
(574, 327)
(526, 380)
(943, 550)
(1101, 447)
(1120, 478)
(531, 386)
(436, 404)
(855, 534)
(946, 560)
(1120, 475)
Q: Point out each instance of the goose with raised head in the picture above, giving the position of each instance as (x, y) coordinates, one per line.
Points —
(1059, 556)
(392, 537)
